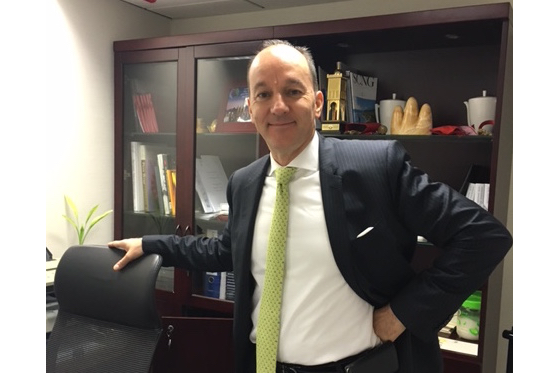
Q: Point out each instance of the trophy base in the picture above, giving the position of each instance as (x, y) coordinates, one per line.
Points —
(332, 127)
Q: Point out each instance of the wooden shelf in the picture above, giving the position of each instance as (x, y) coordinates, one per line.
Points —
(211, 304)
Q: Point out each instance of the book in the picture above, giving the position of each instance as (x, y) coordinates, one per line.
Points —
(363, 97)
(171, 179)
(162, 168)
(479, 193)
(149, 188)
(230, 286)
(145, 113)
(212, 283)
(150, 112)
(137, 183)
(148, 161)
(161, 208)
(219, 285)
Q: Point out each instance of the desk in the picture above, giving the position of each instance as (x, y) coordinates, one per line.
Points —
(52, 304)
(51, 270)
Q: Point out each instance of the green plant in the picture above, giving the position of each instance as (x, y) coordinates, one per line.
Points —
(83, 229)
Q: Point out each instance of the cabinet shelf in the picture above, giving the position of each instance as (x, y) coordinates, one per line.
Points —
(221, 306)
(418, 138)
(155, 138)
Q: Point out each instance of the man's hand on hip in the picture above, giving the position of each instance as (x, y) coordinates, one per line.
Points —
(386, 325)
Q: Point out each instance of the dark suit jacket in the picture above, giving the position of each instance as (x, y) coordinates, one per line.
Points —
(363, 184)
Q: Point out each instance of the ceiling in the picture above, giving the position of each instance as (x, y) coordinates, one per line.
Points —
(182, 9)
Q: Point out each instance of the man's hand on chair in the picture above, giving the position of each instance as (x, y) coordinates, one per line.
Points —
(133, 248)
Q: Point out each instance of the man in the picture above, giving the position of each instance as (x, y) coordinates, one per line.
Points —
(356, 209)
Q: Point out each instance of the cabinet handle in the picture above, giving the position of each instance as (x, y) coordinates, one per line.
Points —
(169, 332)
(186, 231)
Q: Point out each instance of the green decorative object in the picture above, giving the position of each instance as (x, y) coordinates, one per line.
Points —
(83, 229)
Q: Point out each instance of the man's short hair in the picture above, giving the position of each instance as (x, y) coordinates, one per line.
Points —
(301, 49)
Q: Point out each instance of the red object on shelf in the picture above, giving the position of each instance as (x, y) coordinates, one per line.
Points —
(150, 1)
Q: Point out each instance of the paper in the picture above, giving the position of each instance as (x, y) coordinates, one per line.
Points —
(211, 183)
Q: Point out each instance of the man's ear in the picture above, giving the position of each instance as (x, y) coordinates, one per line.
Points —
(249, 106)
(319, 101)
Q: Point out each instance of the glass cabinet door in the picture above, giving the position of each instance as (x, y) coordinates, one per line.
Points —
(226, 140)
(149, 122)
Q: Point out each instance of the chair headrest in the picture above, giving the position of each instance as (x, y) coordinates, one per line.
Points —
(86, 285)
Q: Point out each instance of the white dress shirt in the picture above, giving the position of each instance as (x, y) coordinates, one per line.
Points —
(322, 318)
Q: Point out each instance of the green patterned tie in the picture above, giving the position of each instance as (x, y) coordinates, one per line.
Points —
(268, 326)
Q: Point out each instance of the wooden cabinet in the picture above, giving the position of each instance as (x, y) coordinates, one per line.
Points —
(440, 57)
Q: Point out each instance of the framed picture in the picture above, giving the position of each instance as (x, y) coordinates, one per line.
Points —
(234, 115)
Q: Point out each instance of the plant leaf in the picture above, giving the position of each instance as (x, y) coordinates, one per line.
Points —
(82, 235)
(72, 206)
(72, 222)
(91, 213)
(96, 220)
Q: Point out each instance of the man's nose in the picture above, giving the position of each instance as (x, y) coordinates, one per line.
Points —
(279, 106)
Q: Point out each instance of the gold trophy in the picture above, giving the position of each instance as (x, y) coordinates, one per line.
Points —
(336, 103)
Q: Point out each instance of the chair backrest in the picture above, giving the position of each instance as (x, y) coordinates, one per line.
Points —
(107, 321)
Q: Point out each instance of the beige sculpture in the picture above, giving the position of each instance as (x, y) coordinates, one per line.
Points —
(410, 122)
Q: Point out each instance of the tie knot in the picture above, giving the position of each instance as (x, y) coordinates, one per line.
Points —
(284, 174)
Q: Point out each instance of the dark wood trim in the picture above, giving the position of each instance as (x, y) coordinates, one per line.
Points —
(247, 48)
(185, 142)
(118, 144)
(505, 45)
(377, 22)
(393, 21)
(217, 37)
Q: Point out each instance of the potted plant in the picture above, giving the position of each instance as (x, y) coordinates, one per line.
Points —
(83, 229)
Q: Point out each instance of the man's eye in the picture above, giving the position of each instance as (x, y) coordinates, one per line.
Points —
(262, 95)
(294, 92)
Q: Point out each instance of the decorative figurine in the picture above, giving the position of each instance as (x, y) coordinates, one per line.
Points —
(411, 122)
(336, 102)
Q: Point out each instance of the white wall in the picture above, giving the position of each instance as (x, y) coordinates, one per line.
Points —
(80, 154)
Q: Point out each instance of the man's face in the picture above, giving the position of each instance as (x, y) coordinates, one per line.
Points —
(282, 102)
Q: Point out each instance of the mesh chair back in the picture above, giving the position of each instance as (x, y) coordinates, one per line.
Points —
(107, 321)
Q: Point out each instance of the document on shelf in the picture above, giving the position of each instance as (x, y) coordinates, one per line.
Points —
(211, 183)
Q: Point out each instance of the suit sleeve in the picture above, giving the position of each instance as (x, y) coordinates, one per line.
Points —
(473, 241)
(192, 252)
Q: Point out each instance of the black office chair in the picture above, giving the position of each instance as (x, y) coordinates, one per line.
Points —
(107, 321)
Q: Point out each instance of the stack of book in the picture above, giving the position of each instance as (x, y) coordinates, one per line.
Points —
(479, 193)
(145, 113)
(153, 178)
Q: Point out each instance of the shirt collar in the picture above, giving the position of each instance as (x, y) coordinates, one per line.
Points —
(308, 159)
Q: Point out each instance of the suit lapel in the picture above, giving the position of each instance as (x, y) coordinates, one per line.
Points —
(247, 203)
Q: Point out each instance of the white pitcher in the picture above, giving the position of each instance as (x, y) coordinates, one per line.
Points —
(481, 110)
(384, 111)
